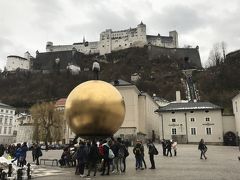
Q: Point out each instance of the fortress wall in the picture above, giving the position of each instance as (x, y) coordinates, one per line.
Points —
(178, 53)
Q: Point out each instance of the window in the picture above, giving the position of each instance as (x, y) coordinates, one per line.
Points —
(1, 119)
(6, 118)
(236, 106)
(10, 121)
(1, 110)
(209, 131)
(6, 111)
(192, 119)
(10, 130)
(207, 119)
(0, 129)
(193, 131)
(5, 130)
(174, 131)
(173, 120)
(11, 112)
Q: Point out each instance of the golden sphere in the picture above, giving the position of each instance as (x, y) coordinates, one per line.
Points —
(95, 108)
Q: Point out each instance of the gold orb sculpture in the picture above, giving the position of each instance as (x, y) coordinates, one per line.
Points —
(94, 108)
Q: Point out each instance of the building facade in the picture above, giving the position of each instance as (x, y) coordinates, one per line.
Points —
(116, 40)
(17, 62)
(236, 112)
(140, 121)
(6, 124)
(23, 123)
(189, 122)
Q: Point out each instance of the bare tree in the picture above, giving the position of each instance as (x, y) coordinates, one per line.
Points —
(47, 121)
(217, 54)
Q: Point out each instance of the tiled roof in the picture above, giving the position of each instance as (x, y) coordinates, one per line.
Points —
(189, 106)
(61, 102)
(6, 106)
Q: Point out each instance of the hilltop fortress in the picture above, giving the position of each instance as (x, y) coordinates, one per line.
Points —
(118, 40)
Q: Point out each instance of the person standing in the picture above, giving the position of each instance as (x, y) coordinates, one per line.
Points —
(106, 159)
(81, 158)
(203, 148)
(143, 154)
(38, 153)
(169, 147)
(123, 154)
(138, 155)
(174, 146)
(2, 150)
(152, 151)
(115, 148)
(93, 158)
(164, 147)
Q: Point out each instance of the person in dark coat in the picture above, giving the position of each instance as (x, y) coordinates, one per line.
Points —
(81, 158)
(203, 148)
(106, 159)
(169, 147)
(38, 153)
(137, 151)
(151, 152)
(164, 147)
(24, 154)
(2, 150)
(93, 158)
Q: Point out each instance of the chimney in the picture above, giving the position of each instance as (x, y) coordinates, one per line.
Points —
(178, 96)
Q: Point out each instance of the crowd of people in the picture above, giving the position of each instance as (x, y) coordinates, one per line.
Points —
(104, 156)
(18, 153)
(110, 155)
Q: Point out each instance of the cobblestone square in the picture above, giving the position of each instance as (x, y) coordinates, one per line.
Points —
(222, 163)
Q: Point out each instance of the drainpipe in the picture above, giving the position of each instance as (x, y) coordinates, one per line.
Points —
(186, 126)
(162, 126)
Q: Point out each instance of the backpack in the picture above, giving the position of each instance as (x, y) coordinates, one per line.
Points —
(101, 150)
(138, 151)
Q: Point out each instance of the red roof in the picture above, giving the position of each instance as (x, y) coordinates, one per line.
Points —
(61, 102)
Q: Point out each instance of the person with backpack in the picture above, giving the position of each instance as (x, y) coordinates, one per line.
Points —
(108, 155)
(152, 151)
(116, 161)
(203, 148)
(123, 154)
(138, 155)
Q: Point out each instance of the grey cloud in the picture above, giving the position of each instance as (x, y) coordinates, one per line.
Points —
(182, 18)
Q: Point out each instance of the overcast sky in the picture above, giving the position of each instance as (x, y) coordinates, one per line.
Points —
(26, 25)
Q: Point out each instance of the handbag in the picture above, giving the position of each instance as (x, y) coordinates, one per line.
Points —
(155, 152)
(110, 154)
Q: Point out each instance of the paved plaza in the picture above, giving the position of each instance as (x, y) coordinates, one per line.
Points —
(222, 163)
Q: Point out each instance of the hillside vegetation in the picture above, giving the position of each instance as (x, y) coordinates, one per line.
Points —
(161, 76)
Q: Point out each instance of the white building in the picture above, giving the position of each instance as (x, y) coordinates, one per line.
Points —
(116, 40)
(236, 112)
(189, 122)
(17, 62)
(6, 124)
(140, 120)
(68, 135)
(23, 123)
